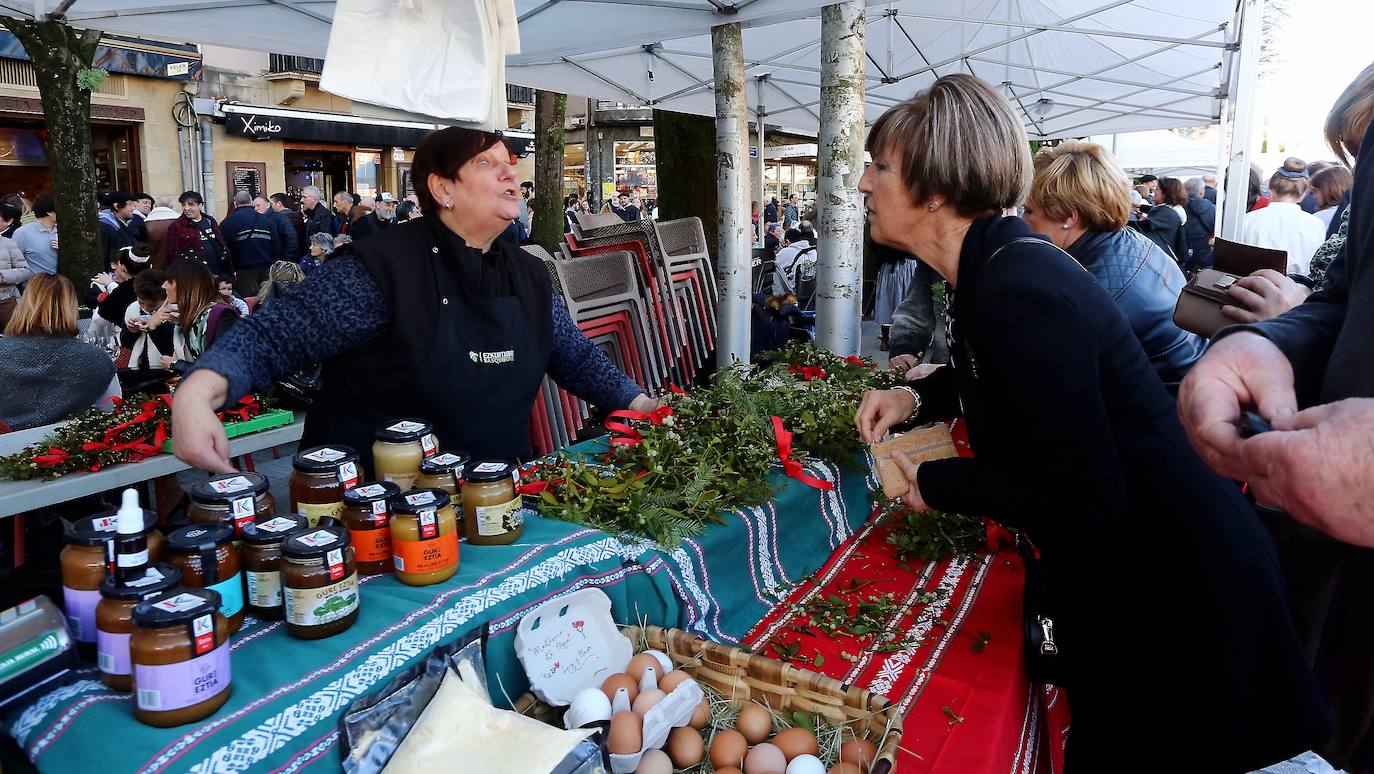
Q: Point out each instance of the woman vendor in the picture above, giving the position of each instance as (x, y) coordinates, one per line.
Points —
(439, 320)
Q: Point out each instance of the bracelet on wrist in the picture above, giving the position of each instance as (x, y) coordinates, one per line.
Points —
(915, 397)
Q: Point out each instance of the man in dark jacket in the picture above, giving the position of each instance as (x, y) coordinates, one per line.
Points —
(253, 242)
(318, 218)
(286, 233)
(381, 216)
(1202, 218)
(115, 231)
(280, 203)
(196, 235)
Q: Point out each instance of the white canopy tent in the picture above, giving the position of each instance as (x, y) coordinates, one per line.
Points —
(1162, 152)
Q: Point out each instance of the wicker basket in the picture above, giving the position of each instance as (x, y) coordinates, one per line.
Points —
(741, 676)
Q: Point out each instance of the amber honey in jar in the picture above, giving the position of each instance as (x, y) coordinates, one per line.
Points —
(400, 446)
(445, 471)
(319, 477)
(367, 516)
(261, 553)
(235, 499)
(114, 620)
(180, 655)
(208, 559)
(86, 559)
(424, 537)
(491, 509)
(319, 583)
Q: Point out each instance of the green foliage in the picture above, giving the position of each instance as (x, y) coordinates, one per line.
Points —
(90, 78)
(930, 536)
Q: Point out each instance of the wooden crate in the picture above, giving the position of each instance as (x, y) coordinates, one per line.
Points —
(742, 676)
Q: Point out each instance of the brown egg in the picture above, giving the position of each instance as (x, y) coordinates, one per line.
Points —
(860, 752)
(639, 663)
(701, 715)
(627, 733)
(764, 758)
(647, 700)
(844, 768)
(755, 723)
(729, 770)
(620, 680)
(728, 748)
(796, 741)
(685, 747)
(654, 762)
(672, 680)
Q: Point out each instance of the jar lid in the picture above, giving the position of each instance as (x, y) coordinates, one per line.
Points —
(189, 539)
(403, 430)
(448, 462)
(312, 543)
(228, 487)
(156, 579)
(96, 530)
(371, 492)
(417, 500)
(323, 459)
(488, 470)
(175, 607)
(274, 530)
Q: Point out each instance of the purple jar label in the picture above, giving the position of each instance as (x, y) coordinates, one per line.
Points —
(112, 653)
(80, 606)
(173, 686)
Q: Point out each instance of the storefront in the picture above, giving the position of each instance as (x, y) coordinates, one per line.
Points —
(24, 165)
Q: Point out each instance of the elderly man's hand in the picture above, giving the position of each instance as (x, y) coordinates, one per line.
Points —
(1241, 370)
(1319, 467)
(1264, 295)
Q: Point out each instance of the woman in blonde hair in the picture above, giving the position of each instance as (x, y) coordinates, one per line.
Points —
(1283, 225)
(1159, 579)
(48, 373)
(1080, 200)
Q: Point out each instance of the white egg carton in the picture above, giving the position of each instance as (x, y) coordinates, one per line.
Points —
(571, 643)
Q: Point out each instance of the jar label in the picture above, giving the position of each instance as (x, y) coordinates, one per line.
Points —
(242, 510)
(348, 475)
(379, 513)
(112, 652)
(277, 524)
(371, 490)
(203, 633)
(165, 687)
(80, 606)
(420, 498)
(264, 588)
(230, 595)
(488, 467)
(499, 519)
(318, 539)
(427, 445)
(425, 556)
(429, 524)
(406, 481)
(324, 455)
(179, 603)
(446, 459)
(370, 545)
(313, 512)
(230, 485)
(406, 427)
(334, 561)
(327, 604)
(134, 559)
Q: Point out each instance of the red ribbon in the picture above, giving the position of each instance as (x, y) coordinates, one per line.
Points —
(790, 466)
(855, 361)
(55, 456)
(676, 390)
(248, 408)
(807, 373)
(997, 536)
(628, 436)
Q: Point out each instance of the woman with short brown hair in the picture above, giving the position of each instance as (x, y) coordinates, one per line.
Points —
(1076, 443)
(1164, 222)
(47, 372)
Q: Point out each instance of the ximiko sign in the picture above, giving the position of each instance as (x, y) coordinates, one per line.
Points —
(252, 126)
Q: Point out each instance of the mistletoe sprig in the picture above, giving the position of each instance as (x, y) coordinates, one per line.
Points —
(929, 536)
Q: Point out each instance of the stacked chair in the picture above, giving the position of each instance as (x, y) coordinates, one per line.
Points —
(645, 294)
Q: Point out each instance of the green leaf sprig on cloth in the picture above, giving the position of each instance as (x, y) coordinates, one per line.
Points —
(714, 449)
(930, 536)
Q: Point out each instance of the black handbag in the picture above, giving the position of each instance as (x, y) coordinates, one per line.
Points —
(1044, 661)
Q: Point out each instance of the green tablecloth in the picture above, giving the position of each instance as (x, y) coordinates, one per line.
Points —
(289, 694)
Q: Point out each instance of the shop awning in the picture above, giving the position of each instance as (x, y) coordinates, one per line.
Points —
(256, 122)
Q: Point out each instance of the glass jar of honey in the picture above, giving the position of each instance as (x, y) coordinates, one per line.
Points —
(491, 508)
(424, 537)
(235, 499)
(208, 559)
(400, 446)
(114, 620)
(319, 477)
(444, 471)
(86, 559)
(367, 516)
(319, 583)
(180, 655)
(261, 554)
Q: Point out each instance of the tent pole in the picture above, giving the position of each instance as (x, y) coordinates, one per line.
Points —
(733, 256)
(1237, 179)
(840, 217)
(758, 175)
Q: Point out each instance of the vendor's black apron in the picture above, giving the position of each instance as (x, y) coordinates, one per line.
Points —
(466, 351)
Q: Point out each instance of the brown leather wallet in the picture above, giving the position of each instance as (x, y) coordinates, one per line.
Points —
(1199, 305)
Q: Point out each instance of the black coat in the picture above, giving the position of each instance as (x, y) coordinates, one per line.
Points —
(1169, 607)
(1165, 228)
(319, 221)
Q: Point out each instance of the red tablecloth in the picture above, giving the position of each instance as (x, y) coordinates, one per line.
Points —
(968, 708)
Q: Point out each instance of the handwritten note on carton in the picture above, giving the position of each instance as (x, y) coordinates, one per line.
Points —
(920, 445)
(570, 643)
